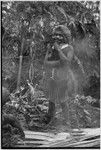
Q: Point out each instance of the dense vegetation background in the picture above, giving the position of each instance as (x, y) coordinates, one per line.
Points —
(26, 30)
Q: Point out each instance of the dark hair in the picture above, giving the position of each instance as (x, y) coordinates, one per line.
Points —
(63, 32)
(62, 39)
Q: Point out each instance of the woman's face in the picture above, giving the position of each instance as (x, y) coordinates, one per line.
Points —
(59, 38)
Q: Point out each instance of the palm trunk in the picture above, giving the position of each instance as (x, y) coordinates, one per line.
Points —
(20, 65)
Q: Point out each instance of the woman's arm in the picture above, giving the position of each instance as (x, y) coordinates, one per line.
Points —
(61, 54)
(50, 63)
(68, 52)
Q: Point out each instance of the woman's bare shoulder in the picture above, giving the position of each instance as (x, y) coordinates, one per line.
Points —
(67, 49)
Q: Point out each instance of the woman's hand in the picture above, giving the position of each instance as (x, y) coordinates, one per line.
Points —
(57, 46)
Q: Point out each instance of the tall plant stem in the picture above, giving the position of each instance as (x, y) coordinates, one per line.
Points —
(20, 65)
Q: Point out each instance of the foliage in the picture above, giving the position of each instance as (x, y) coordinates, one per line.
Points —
(9, 140)
(35, 21)
(29, 105)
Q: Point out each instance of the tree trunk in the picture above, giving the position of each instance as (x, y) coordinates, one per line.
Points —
(20, 65)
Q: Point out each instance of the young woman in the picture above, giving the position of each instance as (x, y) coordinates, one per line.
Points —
(62, 84)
